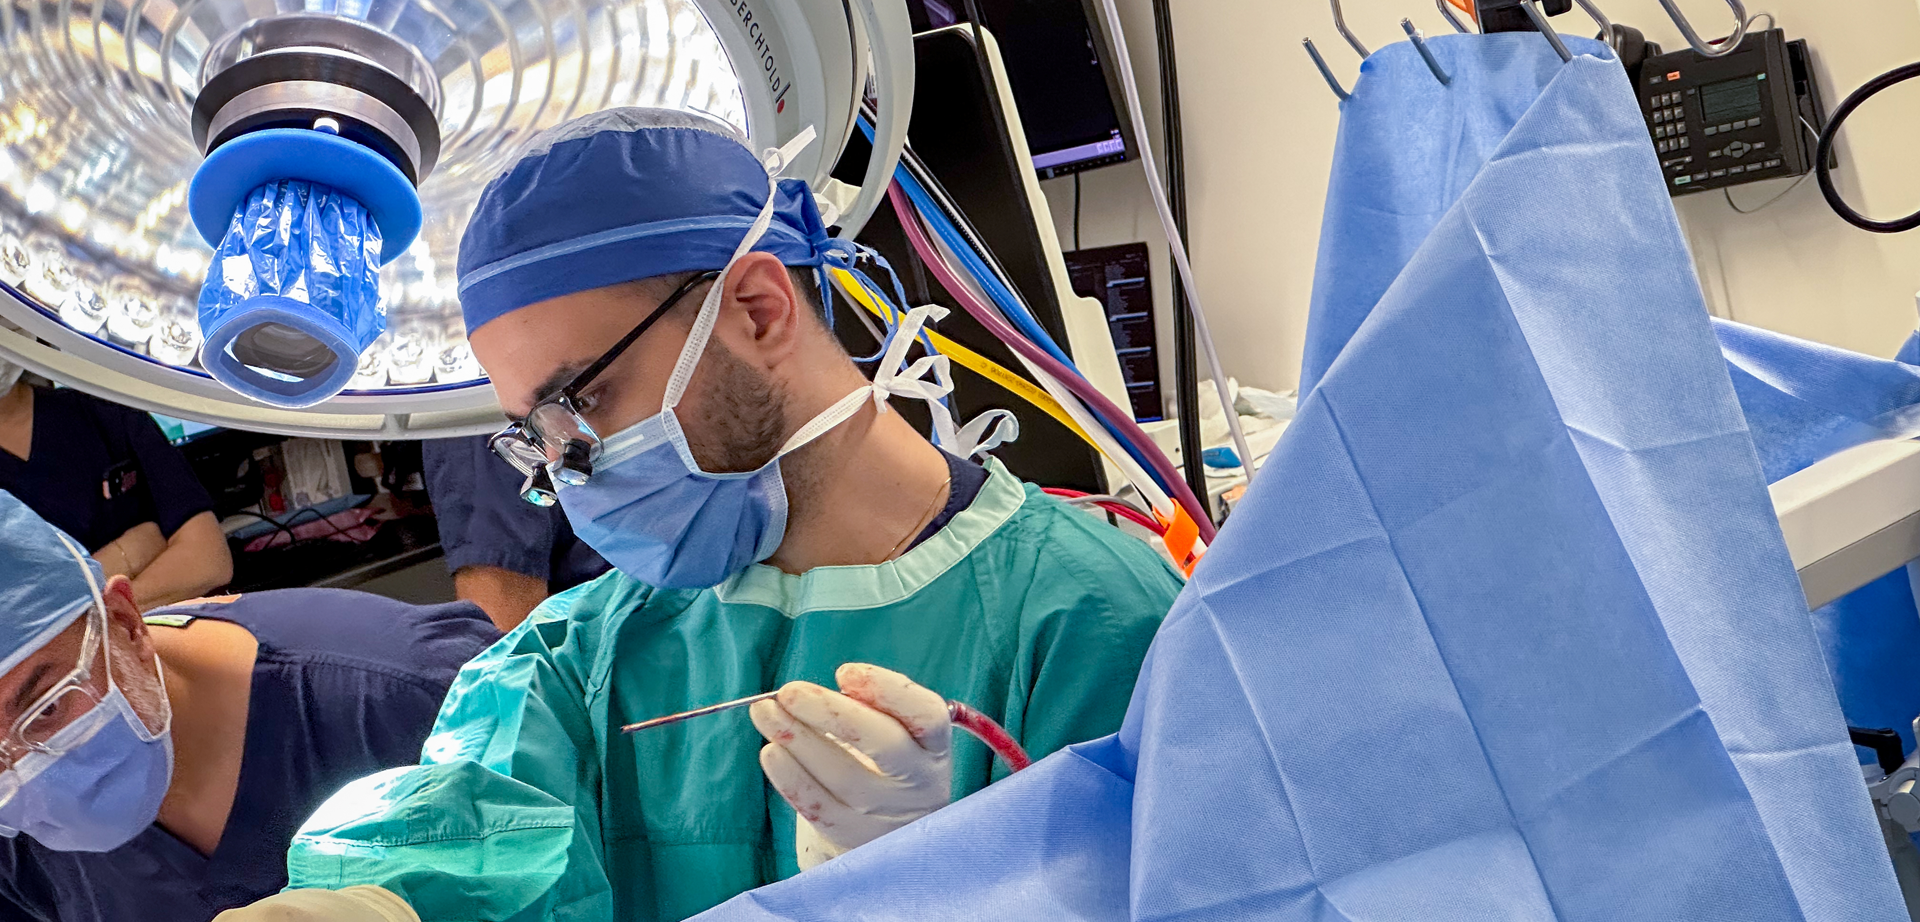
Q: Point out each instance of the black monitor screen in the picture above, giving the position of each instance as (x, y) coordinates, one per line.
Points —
(1072, 113)
(1117, 277)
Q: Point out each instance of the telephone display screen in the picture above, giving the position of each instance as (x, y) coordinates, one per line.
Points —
(1730, 101)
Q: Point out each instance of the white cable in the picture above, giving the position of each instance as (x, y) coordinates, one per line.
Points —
(1104, 441)
(1179, 247)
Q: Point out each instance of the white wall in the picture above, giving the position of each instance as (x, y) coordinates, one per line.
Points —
(1259, 130)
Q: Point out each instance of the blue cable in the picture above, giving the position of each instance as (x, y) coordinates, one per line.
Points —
(996, 290)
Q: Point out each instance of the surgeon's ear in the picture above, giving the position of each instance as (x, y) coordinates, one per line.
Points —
(123, 613)
(772, 316)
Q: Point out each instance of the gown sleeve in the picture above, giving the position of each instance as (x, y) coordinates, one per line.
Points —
(501, 819)
(1087, 630)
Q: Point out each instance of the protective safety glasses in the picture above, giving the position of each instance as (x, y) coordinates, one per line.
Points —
(554, 441)
(79, 692)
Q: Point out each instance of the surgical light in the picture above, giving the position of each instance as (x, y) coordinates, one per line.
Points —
(107, 111)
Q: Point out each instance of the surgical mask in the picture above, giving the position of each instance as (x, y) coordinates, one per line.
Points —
(654, 514)
(100, 780)
(9, 374)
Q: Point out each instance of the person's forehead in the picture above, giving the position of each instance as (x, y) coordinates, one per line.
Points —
(542, 346)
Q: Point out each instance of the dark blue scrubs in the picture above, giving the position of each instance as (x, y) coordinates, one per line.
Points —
(345, 684)
(96, 469)
(485, 523)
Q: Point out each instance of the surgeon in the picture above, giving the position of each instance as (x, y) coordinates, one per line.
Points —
(644, 297)
(154, 770)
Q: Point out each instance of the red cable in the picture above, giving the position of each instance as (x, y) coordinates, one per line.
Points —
(987, 731)
(1120, 509)
(1133, 515)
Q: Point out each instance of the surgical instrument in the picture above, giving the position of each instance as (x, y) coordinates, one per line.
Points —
(980, 726)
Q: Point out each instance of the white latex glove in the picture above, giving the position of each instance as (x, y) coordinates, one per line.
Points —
(354, 904)
(858, 763)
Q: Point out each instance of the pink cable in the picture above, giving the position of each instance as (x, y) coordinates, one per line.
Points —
(1081, 388)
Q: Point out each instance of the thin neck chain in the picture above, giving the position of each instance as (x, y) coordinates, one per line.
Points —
(925, 516)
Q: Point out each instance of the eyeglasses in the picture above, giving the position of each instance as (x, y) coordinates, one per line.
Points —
(58, 707)
(554, 441)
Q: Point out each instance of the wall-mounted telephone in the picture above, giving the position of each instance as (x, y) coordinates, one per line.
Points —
(1751, 115)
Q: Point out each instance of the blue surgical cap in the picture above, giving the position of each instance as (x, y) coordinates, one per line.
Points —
(42, 588)
(622, 195)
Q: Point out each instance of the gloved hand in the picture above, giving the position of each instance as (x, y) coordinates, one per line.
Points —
(354, 904)
(858, 763)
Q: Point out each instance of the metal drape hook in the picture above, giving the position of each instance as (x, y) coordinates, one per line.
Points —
(1340, 22)
(1326, 72)
(1606, 25)
(1426, 54)
(1532, 9)
(1446, 9)
(1709, 49)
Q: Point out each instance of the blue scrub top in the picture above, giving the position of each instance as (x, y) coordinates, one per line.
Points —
(96, 469)
(345, 684)
(484, 522)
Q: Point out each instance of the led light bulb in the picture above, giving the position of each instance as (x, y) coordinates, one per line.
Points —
(14, 262)
(372, 373)
(176, 337)
(49, 277)
(410, 357)
(454, 362)
(84, 310)
(132, 315)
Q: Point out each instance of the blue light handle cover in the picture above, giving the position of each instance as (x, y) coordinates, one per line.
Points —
(292, 297)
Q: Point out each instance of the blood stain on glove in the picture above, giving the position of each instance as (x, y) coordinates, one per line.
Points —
(870, 685)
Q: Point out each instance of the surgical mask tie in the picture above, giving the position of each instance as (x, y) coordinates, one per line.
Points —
(983, 433)
(776, 160)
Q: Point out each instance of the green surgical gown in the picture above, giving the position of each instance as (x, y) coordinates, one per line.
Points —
(530, 804)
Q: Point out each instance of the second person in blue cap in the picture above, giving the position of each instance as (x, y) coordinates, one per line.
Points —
(644, 297)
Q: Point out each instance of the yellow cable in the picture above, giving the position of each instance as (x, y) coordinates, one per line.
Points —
(971, 360)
